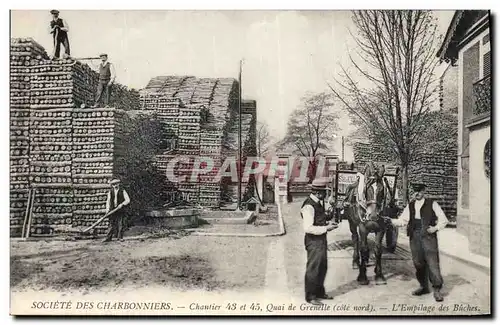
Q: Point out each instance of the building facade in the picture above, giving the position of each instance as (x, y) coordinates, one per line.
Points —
(467, 45)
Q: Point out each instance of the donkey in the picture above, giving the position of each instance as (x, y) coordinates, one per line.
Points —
(367, 217)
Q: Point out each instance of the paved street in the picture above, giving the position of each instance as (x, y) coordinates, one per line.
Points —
(465, 288)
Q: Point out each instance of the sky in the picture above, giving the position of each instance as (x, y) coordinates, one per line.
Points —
(286, 53)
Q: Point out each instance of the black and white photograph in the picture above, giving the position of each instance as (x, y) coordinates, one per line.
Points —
(250, 162)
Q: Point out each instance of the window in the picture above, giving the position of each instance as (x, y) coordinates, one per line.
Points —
(485, 57)
(486, 64)
(487, 158)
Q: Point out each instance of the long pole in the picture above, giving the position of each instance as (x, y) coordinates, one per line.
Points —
(343, 149)
(239, 139)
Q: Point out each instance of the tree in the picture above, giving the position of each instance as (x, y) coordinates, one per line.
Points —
(264, 139)
(397, 53)
(311, 127)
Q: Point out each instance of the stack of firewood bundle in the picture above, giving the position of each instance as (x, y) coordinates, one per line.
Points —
(189, 130)
(69, 83)
(50, 167)
(97, 156)
(52, 84)
(225, 100)
(199, 121)
(189, 145)
(22, 53)
(167, 111)
(210, 146)
(187, 89)
(203, 92)
(439, 172)
(124, 98)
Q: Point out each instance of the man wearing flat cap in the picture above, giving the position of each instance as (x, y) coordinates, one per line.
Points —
(117, 198)
(423, 218)
(59, 29)
(316, 225)
(107, 77)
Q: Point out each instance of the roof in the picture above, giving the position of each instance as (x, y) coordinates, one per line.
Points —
(461, 22)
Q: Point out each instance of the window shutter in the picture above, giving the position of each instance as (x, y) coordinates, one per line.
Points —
(486, 64)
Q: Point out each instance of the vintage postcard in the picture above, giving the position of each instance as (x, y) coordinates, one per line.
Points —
(318, 163)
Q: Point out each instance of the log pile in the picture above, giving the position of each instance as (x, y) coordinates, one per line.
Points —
(50, 166)
(45, 139)
(97, 155)
(22, 53)
(435, 162)
(210, 146)
(199, 118)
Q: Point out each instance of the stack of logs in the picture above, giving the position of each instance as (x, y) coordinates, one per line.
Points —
(59, 151)
(189, 145)
(50, 166)
(201, 119)
(97, 157)
(22, 53)
(437, 168)
(210, 146)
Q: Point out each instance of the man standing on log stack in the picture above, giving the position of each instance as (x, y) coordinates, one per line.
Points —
(423, 218)
(315, 227)
(117, 198)
(59, 30)
(107, 76)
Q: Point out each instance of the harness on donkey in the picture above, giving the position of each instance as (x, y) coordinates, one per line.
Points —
(368, 204)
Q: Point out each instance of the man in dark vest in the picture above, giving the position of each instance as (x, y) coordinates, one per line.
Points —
(117, 198)
(316, 226)
(59, 29)
(424, 217)
(107, 76)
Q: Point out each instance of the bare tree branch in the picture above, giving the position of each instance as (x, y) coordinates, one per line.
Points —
(391, 99)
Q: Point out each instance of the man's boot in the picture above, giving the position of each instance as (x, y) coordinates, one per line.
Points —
(420, 291)
(437, 295)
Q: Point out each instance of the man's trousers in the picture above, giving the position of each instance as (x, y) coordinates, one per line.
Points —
(57, 45)
(425, 255)
(115, 227)
(103, 92)
(317, 263)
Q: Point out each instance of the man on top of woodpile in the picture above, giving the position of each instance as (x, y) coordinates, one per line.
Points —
(423, 218)
(59, 29)
(117, 199)
(107, 76)
(315, 222)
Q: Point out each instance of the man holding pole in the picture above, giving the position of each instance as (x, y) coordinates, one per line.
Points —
(117, 199)
(59, 29)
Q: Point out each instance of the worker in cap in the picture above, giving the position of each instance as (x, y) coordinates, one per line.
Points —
(107, 76)
(59, 30)
(423, 218)
(316, 225)
(117, 199)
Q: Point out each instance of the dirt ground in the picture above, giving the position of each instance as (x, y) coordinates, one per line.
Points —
(179, 261)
